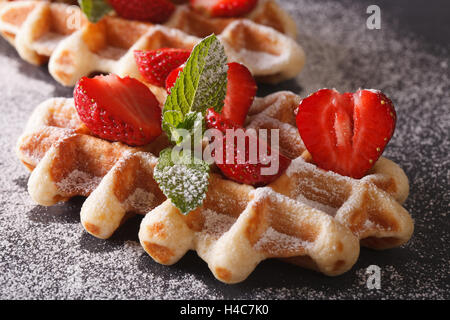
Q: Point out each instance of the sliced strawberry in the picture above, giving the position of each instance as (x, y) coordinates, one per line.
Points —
(172, 77)
(118, 109)
(346, 133)
(245, 172)
(224, 8)
(155, 65)
(156, 11)
(215, 120)
(241, 91)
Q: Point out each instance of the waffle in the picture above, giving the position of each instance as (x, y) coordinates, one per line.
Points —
(309, 217)
(60, 34)
(67, 161)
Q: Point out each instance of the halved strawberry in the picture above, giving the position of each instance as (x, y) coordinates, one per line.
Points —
(118, 109)
(224, 8)
(245, 172)
(241, 91)
(172, 77)
(155, 65)
(156, 11)
(346, 133)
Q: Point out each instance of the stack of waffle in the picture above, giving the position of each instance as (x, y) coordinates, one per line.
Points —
(60, 34)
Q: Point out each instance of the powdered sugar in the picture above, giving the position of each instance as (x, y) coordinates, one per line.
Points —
(188, 188)
(299, 165)
(317, 205)
(279, 242)
(216, 224)
(78, 182)
(140, 201)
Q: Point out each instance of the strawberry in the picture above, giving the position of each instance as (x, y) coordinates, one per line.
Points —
(241, 90)
(155, 65)
(346, 133)
(224, 8)
(246, 172)
(118, 109)
(156, 11)
(172, 77)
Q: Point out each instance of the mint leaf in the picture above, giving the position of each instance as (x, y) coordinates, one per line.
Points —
(182, 177)
(94, 9)
(182, 180)
(201, 85)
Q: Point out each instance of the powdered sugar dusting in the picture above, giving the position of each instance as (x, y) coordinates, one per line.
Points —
(279, 242)
(78, 181)
(190, 187)
(216, 224)
(140, 201)
(317, 205)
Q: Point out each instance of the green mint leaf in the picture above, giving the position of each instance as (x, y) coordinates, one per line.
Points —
(192, 123)
(201, 85)
(183, 179)
(94, 9)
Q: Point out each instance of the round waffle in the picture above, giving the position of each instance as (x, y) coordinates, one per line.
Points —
(60, 34)
(308, 216)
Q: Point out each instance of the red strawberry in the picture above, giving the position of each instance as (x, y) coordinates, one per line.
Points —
(224, 8)
(241, 90)
(246, 172)
(156, 11)
(172, 77)
(118, 109)
(156, 65)
(346, 133)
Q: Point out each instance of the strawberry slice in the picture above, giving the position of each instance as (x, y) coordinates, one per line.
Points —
(172, 77)
(224, 8)
(156, 11)
(118, 109)
(155, 65)
(244, 172)
(241, 91)
(346, 133)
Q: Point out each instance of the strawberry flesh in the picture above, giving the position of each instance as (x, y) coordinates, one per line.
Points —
(346, 133)
(156, 11)
(172, 78)
(241, 91)
(246, 172)
(118, 109)
(224, 8)
(156, 65)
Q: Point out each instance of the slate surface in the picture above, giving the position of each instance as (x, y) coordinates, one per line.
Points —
(44, 252)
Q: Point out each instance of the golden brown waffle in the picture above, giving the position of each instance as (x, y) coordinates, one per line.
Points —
(67, 161)
(311, 217)
(61, 35)
(307, 216)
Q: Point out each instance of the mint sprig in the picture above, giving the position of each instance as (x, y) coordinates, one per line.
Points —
(201, 85)
(182, 177)
(94, 9)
